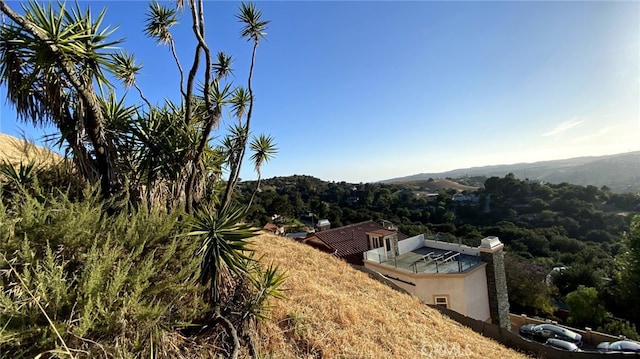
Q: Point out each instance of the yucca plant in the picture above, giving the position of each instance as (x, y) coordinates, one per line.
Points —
(254, 29)
(224, 245)
(263, 149)
(127, 268)
(20, 177)
(266, 283)
(50, 59)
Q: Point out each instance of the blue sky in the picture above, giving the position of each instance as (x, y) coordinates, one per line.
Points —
(363, 91)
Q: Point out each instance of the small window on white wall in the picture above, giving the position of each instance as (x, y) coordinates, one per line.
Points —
(442, 301)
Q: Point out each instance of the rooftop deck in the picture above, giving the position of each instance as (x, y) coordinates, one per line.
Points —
(433, 260)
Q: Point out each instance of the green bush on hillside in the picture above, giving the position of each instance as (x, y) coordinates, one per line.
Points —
(117, 284)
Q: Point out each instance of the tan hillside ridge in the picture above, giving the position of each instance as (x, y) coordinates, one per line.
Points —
(335, 311)
(15, 150)
(437, 184)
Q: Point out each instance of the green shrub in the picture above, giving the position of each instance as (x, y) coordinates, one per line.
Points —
(116, 284)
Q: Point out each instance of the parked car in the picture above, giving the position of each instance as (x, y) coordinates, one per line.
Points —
(625, 346)
(562, 345)
(542, 332)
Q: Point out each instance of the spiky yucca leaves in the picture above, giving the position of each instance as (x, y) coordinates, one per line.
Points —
(19, 178)
(239, 103)
(263, 149)
(239, 286)
(251, 17)
(50, 59)
(266, 282)
(222, 67)
(31, 67)
(153, 147)
(254, 29)
(125, 68)
(160, 19)
(224, 245)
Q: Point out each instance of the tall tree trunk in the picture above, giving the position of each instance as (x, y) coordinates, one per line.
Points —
(253, 195)
(233, 176)
(213, 114)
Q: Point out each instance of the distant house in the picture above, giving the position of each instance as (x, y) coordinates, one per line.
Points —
(308, 219)
(471, 199)
(274, 228)
(468, 280)
(323, 225)
(431, 196)
(350, 242)
(278, 219)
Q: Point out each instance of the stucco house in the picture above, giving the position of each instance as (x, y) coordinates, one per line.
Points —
(351, 241)
(274, 228)
(468, 280)
(323, 225)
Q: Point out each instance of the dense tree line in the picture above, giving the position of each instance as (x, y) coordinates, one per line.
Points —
(581, 230)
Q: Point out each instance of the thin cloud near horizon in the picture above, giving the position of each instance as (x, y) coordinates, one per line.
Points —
(564, 126)
(590, 137)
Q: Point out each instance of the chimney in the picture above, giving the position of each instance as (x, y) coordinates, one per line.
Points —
(492, 252)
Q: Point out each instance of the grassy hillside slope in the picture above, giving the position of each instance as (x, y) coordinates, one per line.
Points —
(335, 311)
(436, 184)
(15, 150)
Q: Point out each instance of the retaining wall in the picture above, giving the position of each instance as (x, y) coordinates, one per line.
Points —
(511, 338)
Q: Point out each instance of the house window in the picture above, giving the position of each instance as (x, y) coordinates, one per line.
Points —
(442, 301)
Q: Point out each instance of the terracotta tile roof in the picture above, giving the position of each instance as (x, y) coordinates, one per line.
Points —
(351, 241)
(270, 227)
(382, 232)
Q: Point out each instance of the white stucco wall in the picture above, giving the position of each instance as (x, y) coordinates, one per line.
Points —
(477, 294)
(409, 244)
(406, 245)
(466, 292)
(461, 248)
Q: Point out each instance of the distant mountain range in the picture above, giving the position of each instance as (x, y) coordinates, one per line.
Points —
(621, 172)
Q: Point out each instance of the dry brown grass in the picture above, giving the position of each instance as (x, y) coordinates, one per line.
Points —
(15, 150)
(334, 311)
(437, 184)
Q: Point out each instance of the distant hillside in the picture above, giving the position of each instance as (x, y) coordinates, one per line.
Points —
(621, 172)
(435, 184)
(15, 150)
(335, 311)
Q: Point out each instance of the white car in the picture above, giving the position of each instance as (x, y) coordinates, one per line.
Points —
(562, 345)
(625, 346)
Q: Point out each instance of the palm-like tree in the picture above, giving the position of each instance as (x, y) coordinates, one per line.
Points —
(254, 29)
(263, 148)
(55, 63)
(125, 68)
(158, 23)
(50, 59)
